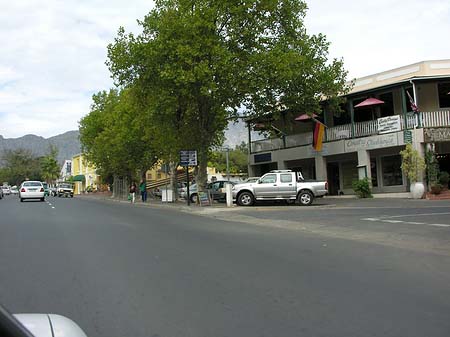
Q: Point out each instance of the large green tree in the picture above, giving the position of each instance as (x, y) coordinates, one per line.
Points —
(49, 165)
(197, 63)
(19, 165)
(112, 137)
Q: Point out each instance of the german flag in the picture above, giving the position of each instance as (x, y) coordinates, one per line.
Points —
(319, 131)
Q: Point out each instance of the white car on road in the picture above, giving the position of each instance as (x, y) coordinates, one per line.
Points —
(6, 190)
(31, 190)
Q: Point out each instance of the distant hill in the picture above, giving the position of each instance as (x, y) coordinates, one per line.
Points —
(68, 144)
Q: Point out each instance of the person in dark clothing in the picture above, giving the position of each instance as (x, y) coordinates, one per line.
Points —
(133, 193)
(143, 190)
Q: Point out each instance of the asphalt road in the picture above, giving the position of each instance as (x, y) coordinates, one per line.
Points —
(125, 270)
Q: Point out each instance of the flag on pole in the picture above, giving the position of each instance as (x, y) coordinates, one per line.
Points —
(413, 104)
(318, 134)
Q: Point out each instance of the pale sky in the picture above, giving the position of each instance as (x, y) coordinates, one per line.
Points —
(53, 52)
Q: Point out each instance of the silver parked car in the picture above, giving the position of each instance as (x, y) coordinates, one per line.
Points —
(31, 190)
(215, 189)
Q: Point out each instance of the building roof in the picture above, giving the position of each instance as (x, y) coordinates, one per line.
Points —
(421, 70)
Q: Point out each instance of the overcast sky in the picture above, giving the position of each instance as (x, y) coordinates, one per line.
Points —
(53, 52)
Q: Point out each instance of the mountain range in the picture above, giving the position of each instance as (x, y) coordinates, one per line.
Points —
(68, 144)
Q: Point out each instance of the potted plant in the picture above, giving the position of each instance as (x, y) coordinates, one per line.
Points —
(413, 166)
(444, 179)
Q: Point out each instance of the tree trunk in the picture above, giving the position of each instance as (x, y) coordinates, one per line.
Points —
(202, 174)
(173, 179)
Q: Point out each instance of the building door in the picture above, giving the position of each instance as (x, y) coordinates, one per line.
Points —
(333, 178)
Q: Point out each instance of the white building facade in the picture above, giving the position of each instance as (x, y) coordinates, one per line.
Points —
(365, 142)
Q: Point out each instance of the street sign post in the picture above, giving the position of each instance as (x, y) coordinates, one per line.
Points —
(188, 158)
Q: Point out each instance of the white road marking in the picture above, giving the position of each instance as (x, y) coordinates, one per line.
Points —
(406, 222)
(420, 214)
(53, 206)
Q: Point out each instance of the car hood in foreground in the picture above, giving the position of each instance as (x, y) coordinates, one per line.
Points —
(50, 325)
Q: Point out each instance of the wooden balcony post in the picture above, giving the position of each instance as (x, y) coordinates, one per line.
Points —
(352, 116)
(404, 110)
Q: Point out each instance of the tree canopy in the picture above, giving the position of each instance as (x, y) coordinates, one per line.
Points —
(199, 64)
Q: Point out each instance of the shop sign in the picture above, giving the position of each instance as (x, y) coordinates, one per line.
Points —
(407, 137)
(433, 135)
(389, 124)
(263, 157)
(370, 143)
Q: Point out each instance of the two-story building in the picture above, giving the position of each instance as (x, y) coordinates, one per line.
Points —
(365, 140)
(84, 174)
(66, 170)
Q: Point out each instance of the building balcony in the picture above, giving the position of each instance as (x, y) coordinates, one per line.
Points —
(427, 119)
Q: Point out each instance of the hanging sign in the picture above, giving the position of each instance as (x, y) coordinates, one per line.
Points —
(389, 124)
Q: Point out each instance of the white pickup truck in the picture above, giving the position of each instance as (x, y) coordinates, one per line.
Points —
(280, 185)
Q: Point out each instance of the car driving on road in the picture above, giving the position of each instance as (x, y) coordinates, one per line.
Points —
(14, 190)
(31, 190)
(64, 190)
(6, 190)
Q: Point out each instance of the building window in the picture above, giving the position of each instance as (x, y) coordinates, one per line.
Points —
(386, 109)
(444, 95)
(392, 172)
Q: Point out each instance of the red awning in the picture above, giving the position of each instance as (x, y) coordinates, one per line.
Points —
(368, 102)
(305, 117)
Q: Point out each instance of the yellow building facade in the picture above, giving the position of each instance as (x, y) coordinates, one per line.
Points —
(84, 174)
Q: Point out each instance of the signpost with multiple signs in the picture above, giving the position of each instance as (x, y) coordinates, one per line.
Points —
(188, 158)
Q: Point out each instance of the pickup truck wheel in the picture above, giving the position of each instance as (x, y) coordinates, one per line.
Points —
(305, 198)
(245, 199)
(193, 198)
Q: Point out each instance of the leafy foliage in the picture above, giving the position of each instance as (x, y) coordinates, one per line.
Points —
(112, 138)
(49, 166)
(412, 163)
(444, 178)
(432, 167)
(19, 165)
(237, 159)
(362, 188)
(196, 63)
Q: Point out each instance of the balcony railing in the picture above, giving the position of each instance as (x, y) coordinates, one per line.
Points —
(361, 129)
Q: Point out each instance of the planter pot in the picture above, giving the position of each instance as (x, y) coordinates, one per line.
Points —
(417, 190)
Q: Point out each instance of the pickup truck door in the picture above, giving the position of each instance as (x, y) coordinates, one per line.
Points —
(267, 187)
(287, 185)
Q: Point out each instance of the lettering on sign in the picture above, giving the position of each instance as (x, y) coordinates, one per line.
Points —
(433, 135)
(369, 143)
(188, 158)
(204, 199)
(389, 124)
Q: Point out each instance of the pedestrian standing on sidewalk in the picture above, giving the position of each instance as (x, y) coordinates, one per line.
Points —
(143, 190)
(133, 192)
